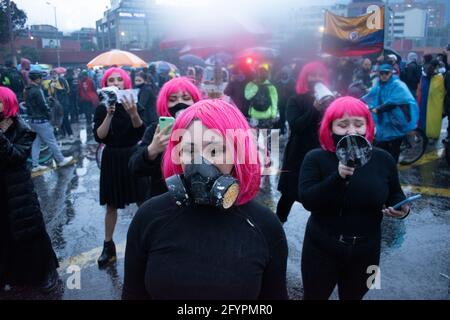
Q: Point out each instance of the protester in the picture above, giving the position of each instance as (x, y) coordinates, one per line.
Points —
(119, 125)
(39, 115)
(15, 81)
(343, 233)
(431, 101)
(286, 88)
(394, 109)
(412, 73)
(303, 117)
(146, 96)
(87, 97)
(72, 82)
(175, 96)
(26, 253)
(59, 89)
(235, 89)
(228, 247)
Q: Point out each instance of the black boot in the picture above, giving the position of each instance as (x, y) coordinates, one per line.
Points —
(50, 282)
(108, 255)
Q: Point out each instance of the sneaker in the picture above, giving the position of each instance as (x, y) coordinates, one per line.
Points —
(65, 162)
(39, 168)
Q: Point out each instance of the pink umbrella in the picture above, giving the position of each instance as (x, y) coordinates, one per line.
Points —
(60, 70)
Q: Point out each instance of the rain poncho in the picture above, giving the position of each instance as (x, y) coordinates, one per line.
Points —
(399, 120)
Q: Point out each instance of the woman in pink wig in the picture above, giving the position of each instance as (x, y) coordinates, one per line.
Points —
(303, 117)
(174, 97)
(343, 234)
(120, 126)
(26, 253)
(207, 238)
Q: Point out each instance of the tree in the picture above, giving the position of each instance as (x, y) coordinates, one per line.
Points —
(18, 17)
(29, 53)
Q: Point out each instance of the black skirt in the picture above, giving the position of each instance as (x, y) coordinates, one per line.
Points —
(118, 186)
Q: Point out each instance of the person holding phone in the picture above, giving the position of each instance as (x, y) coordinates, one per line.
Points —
(225, 246)
(343, 234)
(175, 96)
(120, 126)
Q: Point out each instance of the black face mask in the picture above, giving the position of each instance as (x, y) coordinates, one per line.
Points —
(140, 86)
(337, 138)
(203, 184)
(176, 108)
(2, 116)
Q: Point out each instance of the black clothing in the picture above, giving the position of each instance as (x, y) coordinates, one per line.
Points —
(236, 91)
(303, 119)
(391, 146)
(147, 101)
(342, 209)
(36, 103)
(201, 252)
(285, 89)
(411, 76)
(353, 209)
(26, 254)
(141, 166)
(327, 262)
(117, 186)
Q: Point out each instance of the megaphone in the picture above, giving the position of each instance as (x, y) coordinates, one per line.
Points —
(323, 95)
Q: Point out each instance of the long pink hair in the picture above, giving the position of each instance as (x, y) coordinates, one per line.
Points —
(338, 108)
(126, 78)
(221, 116)
(175, 85)
(9, 101)
(309, 68)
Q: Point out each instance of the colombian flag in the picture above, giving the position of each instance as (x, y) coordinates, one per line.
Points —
(353, 36)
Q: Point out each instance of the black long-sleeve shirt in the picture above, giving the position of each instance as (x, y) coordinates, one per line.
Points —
(142, 166)
(200, 252)
(352, 208)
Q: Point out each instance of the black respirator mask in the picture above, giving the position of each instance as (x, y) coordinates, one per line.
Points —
(2, 116)
(177, 108)
(203, 184)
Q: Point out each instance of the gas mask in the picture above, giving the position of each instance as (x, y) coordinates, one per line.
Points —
(203, 184)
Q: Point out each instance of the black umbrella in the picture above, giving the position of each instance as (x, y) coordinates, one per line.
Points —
(193, 59)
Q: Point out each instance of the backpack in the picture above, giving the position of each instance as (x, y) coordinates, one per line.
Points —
(261, 101)
(16, 83)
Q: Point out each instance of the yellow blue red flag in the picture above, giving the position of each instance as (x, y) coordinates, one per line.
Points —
(353, 36)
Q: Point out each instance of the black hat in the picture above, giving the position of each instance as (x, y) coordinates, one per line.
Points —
(34, 75)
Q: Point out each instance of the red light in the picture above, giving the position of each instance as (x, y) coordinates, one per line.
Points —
(249, 61)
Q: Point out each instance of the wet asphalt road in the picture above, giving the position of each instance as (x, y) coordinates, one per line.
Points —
(415, 257)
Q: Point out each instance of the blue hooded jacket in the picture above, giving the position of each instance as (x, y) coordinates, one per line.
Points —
(403, 115)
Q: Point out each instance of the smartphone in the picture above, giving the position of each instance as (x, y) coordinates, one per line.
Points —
(165, 122)
(407, 200)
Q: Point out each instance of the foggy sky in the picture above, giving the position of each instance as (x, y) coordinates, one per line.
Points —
(74, 14)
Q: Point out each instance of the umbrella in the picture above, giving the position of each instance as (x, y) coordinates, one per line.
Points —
(220, 58)
(164, 66)
(193, 60)
(60, 70)
(259, 52)
(118, 58)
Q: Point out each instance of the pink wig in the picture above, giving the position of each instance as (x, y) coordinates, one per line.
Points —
(339, 108)
(175, 85)
(309, 68)
(9, 101)
(126, 78)
(222, 116)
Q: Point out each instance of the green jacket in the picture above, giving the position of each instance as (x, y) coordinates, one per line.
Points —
(272, 112)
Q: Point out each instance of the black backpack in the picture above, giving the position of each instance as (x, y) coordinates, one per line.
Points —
(261, 101)
(15, 80)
